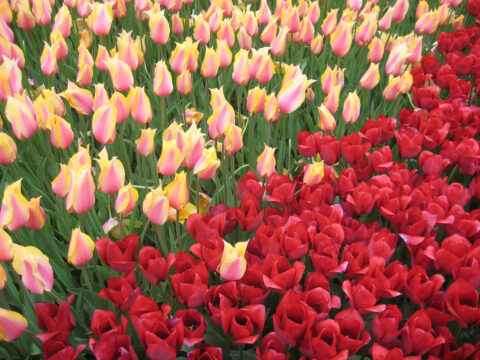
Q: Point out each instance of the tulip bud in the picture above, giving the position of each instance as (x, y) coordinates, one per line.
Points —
(224, 54)
(48, 60)
(386, 21)
(177, 24)
(159, 28)
(292, 93)
(170, 159)
(121, 105)
(256, 100)
(201, 31)
(81, 194)
(233, 139)
(101, 18)
(240, 68)
(341, 38)
(63, 21)
(330, 22)
(184, 82)
(25, 18)
(316, 45)
(314, 173)
(222, 116)
(155, 206)
(79, 99)
(264, 14)
(269, 32)
(244, 40)
(371, 77)
(112, 173)
(279, 44)
(177, 191)
(120, 73)
(266, 162)
(351, 108)
(233, 264)
(332, 100)
(326, 120)
(21, 117)
(399, 11)
(61, 134)
(81, 247)
(126, 199)
(207, 164)
(271, 111)
(8, 149)
(375, 50)
(140, 108)
(145, 143)
(12, 325)
(162, 80)
(103, 124)
(210, 64)
(102, 57)
(391, 90)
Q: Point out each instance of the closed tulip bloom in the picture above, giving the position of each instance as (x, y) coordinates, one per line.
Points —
(210, 64)
(375, 50)
(391, 91)
(81, 194)
(233, 139)
(145, 143)
(79, 99)
(34, 267)
(193, 143)
(80, 249)
(120, 73)
(422, 8)
(367, 29)
(240, 67)
(21, 117)
(54, 99)
(415, 49)
(84, 56)
(48, 60)
(444, 13)
(112, 173)
(162, 80)
(399, 11)
(59, 43)
(179, 58)
(104, 121)
(177, 191)
(263, 14)
(341, 38)
(222, 116)
(8, 149)
(121, 105)
(159, 28)
(266, 162)
(170, 159)
(207, 164)
(326, 120)
(371, 77)
(224, 54)
(126, 199)
(129, 50)
(314, 173)
(226, 33)
(61, 134)
(101, 18)
(217, 98)
(201, 30)
(101, 96)
(61, 183)
(15, 207)
(10, 78)
(84, 75)
(386, 21)
(428, 23)
(351, 108)
(63, 21)
(140, 108)
(330, 22)
(271, 111)
(292, 93)
(233, 264)
(36, 214)
(405, 82)
(396, 59)
(101, 59)
(177, 24)
(12, 325)
(279, 44)
(269, 33)
(316, 45)
(6, 246)
(261, 66)
(25, 18)
(332, 100)
(155, 206)
(184, 82)
(244, 40)
(306, 32)
(256, 100)
(42, 11)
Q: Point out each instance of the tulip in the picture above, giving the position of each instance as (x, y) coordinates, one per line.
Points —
(12, 325)
(184, 82)
(59, 44)
(371, 77)
(415, 50)
(256, 100)
(279, 44)
(391, 91)
(120, 73)
(261, 66)
(162, 80)
(101, 97)
(84, 75)
(84, 56)
(341, 38)
(326, 121)
(226, 33)
(292, 93)
(159, 28)
(48, 60)
(126, 199)
(386, 21)
(81, 194)
(25, 18)
(224, 54)
(271, 111)
(10, 78)
(63, 21)
(177, 191)
(244, 40)
(210, 64)
(6, 246)
(233, 264)
(61, 183)
(314, 173)
(79, 99)
(103, 124)
(351, 108)
(240, 67)
(170, 159)
(269, 33)
(102, 57)
(428, 22)
(201, 30)
(177, 24)
(121, 105)
(266, 162)
(34, 267)
(130, 51)
(366, 30)
(330, 22)
(331, 101)
(54, 99)
(193, 143)
(140, 108)
(145, 143)
(80, 249)
(375, 50)
(112, 173)
(233, 139)
(20, 113)
(222, 116)
(8, 149)
(36, 215)
(155, 206)
(399, 11)
(3, 277)
(264, 14)
(101, 18)
(207, 164)
(61, 134)
(15, 207)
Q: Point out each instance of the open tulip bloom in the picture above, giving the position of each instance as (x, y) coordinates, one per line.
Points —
(227, 179)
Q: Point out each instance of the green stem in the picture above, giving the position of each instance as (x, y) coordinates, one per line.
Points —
(232, 170)
(161, 242)
(144, 232)
(120, 224)
(197, 190)
(54, 297)
(4, 301)
(177, 228)
(24, 289)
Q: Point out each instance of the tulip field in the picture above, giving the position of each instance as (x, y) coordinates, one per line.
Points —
(270, 179)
